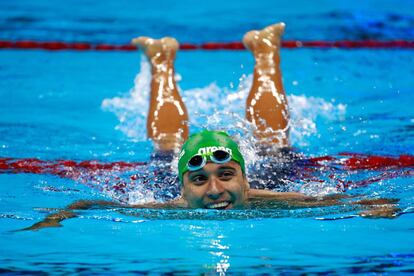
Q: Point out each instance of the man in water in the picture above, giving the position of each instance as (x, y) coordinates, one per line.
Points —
(211, 169)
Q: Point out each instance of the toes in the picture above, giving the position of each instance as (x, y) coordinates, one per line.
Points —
(146, 43)
(248, 39)
(161, 49)
(277, 29)
(141, 41)
(265, 38)
(170, 43)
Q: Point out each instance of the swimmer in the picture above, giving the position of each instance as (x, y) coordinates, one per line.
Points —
(211, 169)
(167, 127)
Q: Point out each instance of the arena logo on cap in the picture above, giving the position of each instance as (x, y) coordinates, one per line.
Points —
(209, 150)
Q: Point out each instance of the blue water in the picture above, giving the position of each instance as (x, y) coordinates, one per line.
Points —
(61, 105)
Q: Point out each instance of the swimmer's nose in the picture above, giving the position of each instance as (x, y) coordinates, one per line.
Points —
(215, 188)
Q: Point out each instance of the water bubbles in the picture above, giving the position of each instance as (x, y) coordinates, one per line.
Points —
(140, 196)
(178, 77)
(318, 189)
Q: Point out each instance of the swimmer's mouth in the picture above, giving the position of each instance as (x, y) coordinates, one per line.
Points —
(219, 206)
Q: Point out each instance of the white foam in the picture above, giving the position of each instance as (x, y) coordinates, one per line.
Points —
(131, 108)
(218, 108)
(140, 196)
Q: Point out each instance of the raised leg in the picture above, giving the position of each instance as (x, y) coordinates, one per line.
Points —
(167, 122)
(267, 106)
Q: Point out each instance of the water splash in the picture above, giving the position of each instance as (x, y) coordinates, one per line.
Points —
(222, 108)
(132, 108)
(217, 108)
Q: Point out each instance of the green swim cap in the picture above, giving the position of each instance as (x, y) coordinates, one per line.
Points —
(205, 142)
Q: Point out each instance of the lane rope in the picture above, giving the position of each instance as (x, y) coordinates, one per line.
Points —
(387, 167)
(349, 161)
(209, 46)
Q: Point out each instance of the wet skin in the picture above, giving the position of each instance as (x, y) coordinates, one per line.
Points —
(216, 186)
(223, 187)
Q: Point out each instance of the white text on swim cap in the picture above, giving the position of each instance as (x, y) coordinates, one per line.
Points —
(209, 150)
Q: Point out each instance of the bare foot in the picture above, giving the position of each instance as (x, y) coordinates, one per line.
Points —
(157, 50)
(265, 40)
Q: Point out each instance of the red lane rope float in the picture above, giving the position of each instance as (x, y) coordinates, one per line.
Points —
(209, 46)
(381, 177)
(355, 161)
(60, 167)
(350, 161)
(389, 168)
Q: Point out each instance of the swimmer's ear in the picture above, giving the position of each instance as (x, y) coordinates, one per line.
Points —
(182, 188)
(246, 183)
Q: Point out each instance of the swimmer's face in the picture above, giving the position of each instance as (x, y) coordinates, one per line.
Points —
(216, 186)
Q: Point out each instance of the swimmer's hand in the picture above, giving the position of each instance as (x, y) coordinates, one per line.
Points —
(42, 224)
(54, 220)
(379, 208)
(372, 208)
(51, 221)
(390, 212)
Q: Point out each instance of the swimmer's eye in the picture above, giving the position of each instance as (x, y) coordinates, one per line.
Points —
(199, 179)
(226, 175)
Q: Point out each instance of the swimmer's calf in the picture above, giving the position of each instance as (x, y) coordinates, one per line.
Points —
(167, 116)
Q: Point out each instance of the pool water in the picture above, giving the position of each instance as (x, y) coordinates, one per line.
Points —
(83, 106)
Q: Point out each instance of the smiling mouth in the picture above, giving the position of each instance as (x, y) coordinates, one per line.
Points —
(219, 206)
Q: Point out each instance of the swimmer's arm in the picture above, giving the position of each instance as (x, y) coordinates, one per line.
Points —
(372, 208)
(294, 199)
(173, 204)
(54, 220)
